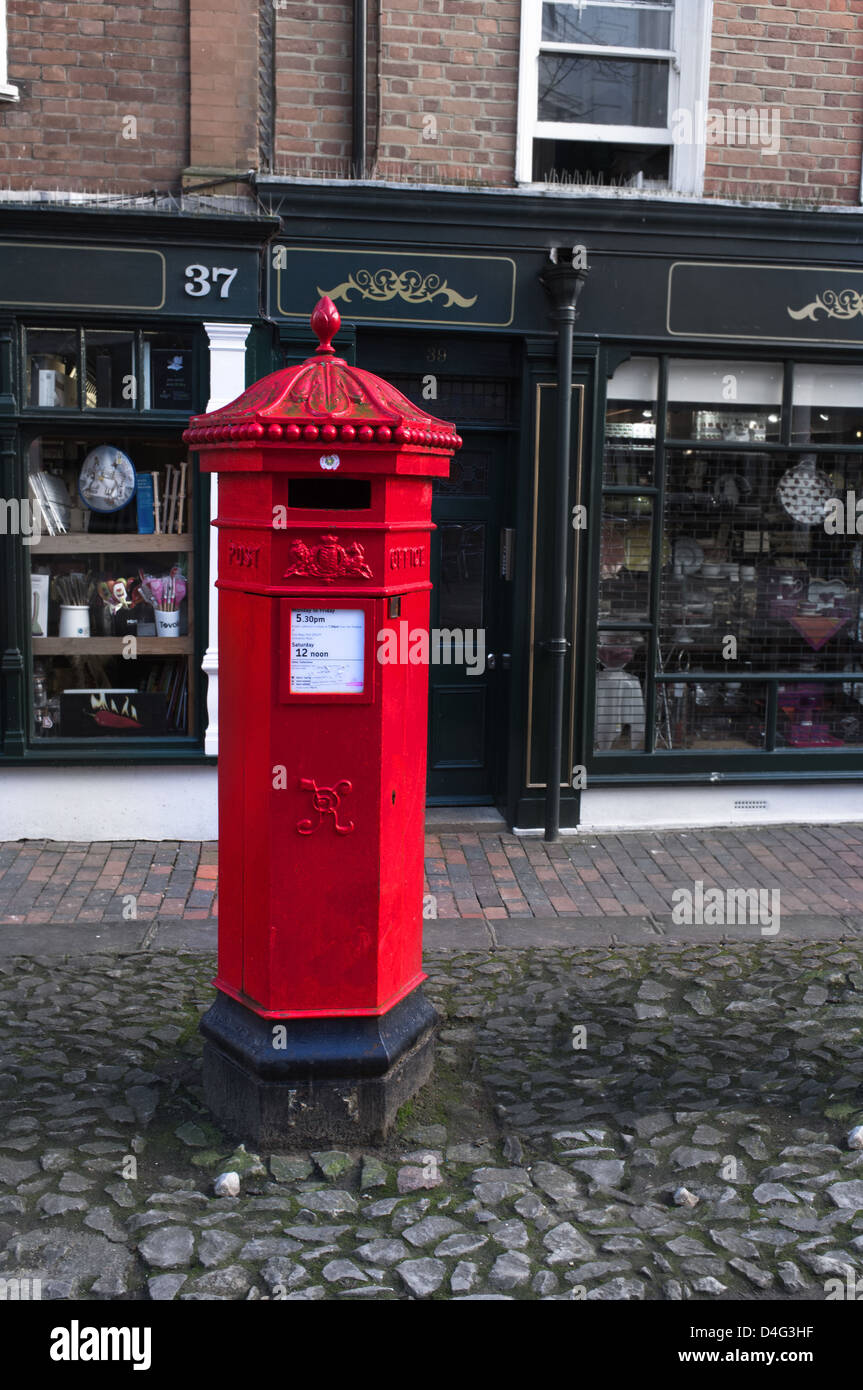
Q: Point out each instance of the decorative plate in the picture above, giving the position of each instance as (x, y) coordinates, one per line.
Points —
(804, 492)
(107, 479)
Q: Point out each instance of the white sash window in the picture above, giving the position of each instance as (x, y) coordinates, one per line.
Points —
(606, 89)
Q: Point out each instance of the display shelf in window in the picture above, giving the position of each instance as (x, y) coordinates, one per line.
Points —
(113, 617)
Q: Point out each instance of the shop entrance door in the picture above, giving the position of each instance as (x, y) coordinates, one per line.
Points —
(468, 681)
(472, 597)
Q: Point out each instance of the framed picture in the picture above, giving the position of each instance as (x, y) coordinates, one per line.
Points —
(171, 379)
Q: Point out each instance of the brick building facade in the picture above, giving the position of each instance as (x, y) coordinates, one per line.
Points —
(180, 181)
(132, 98)
(806, 61)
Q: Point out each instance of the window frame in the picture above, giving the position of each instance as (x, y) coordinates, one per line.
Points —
(689, 75)
(8, 90)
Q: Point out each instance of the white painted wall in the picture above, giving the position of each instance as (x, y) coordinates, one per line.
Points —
(651, 808)
(179, 803)
(108, 803)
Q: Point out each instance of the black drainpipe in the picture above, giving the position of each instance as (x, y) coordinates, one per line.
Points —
(361, 18)
(562, 283)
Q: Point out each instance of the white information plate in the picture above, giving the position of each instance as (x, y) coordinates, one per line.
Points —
(327, 651)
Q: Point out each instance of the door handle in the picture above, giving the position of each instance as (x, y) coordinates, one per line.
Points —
(506, 661)
(491, 661)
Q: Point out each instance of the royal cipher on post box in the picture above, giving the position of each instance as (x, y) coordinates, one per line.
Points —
(320, 1029)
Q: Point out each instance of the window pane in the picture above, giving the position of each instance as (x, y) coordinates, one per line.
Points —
(110, 374)
(630, 423)
(462, 574)
(753, 578)
(724, 400)
(813, 714)
(603, 91)
(52, 367)
(620, 678)
(84, 605)
(624, 585)
(828, 405)
(151, 701)
(620, 26)
(710, 715)
(596, 163)
(97, 579)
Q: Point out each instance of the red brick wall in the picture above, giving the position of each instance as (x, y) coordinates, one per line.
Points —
(446, 75)
(81, 68)
(223, 38)
(806, 62)
(313, 87)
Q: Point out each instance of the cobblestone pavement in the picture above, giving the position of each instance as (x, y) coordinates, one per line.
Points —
(659, 1123)
(484, 876)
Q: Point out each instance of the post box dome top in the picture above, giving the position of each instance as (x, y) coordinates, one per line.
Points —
(322, 399)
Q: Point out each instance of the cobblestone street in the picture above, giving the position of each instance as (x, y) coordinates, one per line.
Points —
(641, 1122)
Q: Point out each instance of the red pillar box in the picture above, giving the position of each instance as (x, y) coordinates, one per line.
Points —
(320, 1029)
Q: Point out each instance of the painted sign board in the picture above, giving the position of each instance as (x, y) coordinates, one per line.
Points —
(394, 286)
(171, 280)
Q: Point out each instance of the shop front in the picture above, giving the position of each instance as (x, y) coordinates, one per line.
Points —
(113, 329)
(714, 573)
(715, 635)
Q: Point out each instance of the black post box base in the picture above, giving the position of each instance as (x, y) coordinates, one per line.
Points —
(290, 1083)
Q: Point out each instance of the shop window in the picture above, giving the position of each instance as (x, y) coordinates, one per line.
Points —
(602, 87)
(729, 401)
(625, 558)
(52, 367)
(8, 91)
(122, 369)
(827, 405)
(630, 423)
(740, 602)
(110, 377)
(757, 584)
(112, 618)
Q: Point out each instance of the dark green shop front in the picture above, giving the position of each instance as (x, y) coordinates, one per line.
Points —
(104, 354)
(717, 411)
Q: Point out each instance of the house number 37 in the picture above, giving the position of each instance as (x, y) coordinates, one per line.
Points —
(203, 278)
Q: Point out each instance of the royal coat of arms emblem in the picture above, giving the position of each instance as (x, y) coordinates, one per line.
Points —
(327, 561)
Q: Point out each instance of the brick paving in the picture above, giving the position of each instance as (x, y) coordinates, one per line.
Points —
(471, 875)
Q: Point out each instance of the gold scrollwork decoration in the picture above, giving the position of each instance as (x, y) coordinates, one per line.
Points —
(410, 285)
(836, 304)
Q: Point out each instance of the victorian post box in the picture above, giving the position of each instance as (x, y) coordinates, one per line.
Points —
(320, 1030)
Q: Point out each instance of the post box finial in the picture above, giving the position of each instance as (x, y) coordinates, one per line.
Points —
(326, 321)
